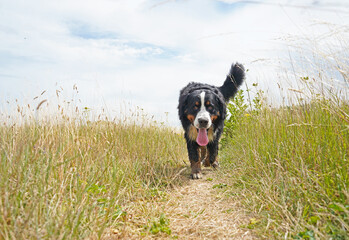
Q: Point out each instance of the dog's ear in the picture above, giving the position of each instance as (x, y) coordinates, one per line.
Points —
(182, 106)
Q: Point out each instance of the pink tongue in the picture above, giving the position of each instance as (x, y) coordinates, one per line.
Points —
(202, 138)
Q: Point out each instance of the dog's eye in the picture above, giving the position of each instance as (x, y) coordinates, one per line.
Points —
(209, 106)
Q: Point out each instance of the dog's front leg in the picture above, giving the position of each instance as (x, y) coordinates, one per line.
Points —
(212, 148)
(193, 152)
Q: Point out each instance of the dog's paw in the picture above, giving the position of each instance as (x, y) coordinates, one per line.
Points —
(215, 165)
(206, 163)
(196, 175)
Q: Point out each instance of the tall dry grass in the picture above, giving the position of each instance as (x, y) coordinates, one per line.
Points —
(289, 165)
(74, 178)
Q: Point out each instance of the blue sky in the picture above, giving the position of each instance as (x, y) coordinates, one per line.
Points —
(141, 53)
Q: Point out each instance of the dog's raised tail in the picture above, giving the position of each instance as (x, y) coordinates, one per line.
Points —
(233, 81)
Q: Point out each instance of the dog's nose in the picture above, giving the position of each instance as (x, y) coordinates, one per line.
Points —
(203, 122)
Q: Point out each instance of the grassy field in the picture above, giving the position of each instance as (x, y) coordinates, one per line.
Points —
(72, 179)
(290, 167)
(75, 180)
(287, 166)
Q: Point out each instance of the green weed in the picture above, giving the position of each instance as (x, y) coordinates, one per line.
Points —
(160, 225)
(219, 185)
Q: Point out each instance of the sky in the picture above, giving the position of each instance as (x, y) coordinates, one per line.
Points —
(120, 55)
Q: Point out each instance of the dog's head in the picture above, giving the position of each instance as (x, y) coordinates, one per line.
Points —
(203, 108)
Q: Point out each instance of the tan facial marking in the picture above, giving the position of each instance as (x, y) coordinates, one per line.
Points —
(190, 117)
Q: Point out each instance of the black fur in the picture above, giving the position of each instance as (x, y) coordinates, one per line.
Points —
(234, 79)
(217, 97)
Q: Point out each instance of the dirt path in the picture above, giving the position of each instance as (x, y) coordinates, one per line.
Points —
(199, 211)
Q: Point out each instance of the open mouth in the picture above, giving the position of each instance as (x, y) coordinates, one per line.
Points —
(202, 138)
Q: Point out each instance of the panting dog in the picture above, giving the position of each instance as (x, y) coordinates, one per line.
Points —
(202, 111)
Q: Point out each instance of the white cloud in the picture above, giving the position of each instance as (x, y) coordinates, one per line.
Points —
(144, 51)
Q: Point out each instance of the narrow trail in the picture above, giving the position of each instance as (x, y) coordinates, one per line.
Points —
(196, 210)
(199, 211)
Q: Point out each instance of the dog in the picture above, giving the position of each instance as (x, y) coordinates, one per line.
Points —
(202, 111)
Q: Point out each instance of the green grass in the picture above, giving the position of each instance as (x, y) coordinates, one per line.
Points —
(74, 180)
(290, 167)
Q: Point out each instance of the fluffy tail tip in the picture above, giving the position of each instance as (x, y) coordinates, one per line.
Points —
(237, 74)
(233, 81)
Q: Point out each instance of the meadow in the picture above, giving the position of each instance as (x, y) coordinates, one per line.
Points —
(287, 166)
(73, 180)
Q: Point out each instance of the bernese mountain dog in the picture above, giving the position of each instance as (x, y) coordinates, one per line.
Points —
(202, 111)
